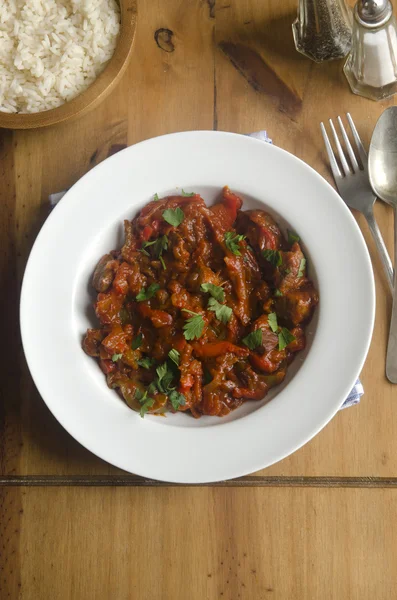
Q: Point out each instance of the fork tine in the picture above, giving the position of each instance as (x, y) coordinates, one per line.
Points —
(348, 145)
(334, 165)
(357, 139)
(341, 154)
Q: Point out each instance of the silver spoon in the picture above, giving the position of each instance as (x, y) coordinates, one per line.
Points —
(382, 163)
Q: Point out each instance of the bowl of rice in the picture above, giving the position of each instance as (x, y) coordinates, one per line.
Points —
(60, 58)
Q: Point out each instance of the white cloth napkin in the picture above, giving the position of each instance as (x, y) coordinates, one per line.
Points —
(358, 390)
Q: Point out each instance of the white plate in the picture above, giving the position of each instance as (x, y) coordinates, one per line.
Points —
(56, 300)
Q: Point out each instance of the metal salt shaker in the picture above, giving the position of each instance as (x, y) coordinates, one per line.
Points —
(371, 67)
(323, 29)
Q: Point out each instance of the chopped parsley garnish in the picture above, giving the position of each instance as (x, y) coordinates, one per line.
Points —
(144, 400)
(273, 257)
(278, 294)
(158, 246)
(116, 357)
(139, 395)
(188, 194)
(176, 399)
(136, 342)
(156, 197)
(215, 290)
(173, 216)
(285, 337)
(232, 241)
(152, 387)
(163, 384)
(253, 339)
(147, 293)
(146, 245)
(292, 237)
(272, 318)
(222, 312)
(302, 267)
(174, 356)
(194, 327)
(164, 378)
(146, 362)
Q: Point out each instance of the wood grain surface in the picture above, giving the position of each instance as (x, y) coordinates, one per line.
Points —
(201, 544)
(196, 65)
(319, 524)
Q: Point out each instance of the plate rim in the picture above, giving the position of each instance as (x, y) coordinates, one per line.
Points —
(56, 213)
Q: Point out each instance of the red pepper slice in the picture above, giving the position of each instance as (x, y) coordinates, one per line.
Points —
(213, 349)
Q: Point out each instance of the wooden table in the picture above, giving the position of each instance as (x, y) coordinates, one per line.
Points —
(320, 524)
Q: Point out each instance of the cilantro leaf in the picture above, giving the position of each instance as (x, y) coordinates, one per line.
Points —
(139, 395)
(232, 242)
(273, 257)
(164, 378)
(158, 246)
(145, 407)
(215, 290)
(285, 337)
(176, 399)
(253, 339)
(147, 293)
(174, 356)
(156, 197)
(146, 362)
(155, 243)
(188, 194)
(147, 244)
(163, 384)
(222, 312)
(292, 237)
(302, 267)
(278, 294)
(136, 342)
(144, 401)
(152, 387)
(116, 357)
(144, 246)
(161, 370)
(193, 327)
(272, 318)
(173, 216)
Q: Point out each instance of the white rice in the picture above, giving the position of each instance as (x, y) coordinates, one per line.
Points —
(52, 50)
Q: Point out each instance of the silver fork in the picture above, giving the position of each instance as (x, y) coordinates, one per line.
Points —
(353, 183)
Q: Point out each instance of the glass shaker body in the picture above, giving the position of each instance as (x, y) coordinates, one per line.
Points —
(323, 29)
(371, 67)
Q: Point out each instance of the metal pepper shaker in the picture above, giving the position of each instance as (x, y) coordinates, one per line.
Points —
(323, 29)
(371, 67)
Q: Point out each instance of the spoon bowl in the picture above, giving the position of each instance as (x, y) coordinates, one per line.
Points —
(382, 166)
(382, 160)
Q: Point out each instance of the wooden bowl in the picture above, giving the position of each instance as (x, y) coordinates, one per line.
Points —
(96, 92)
